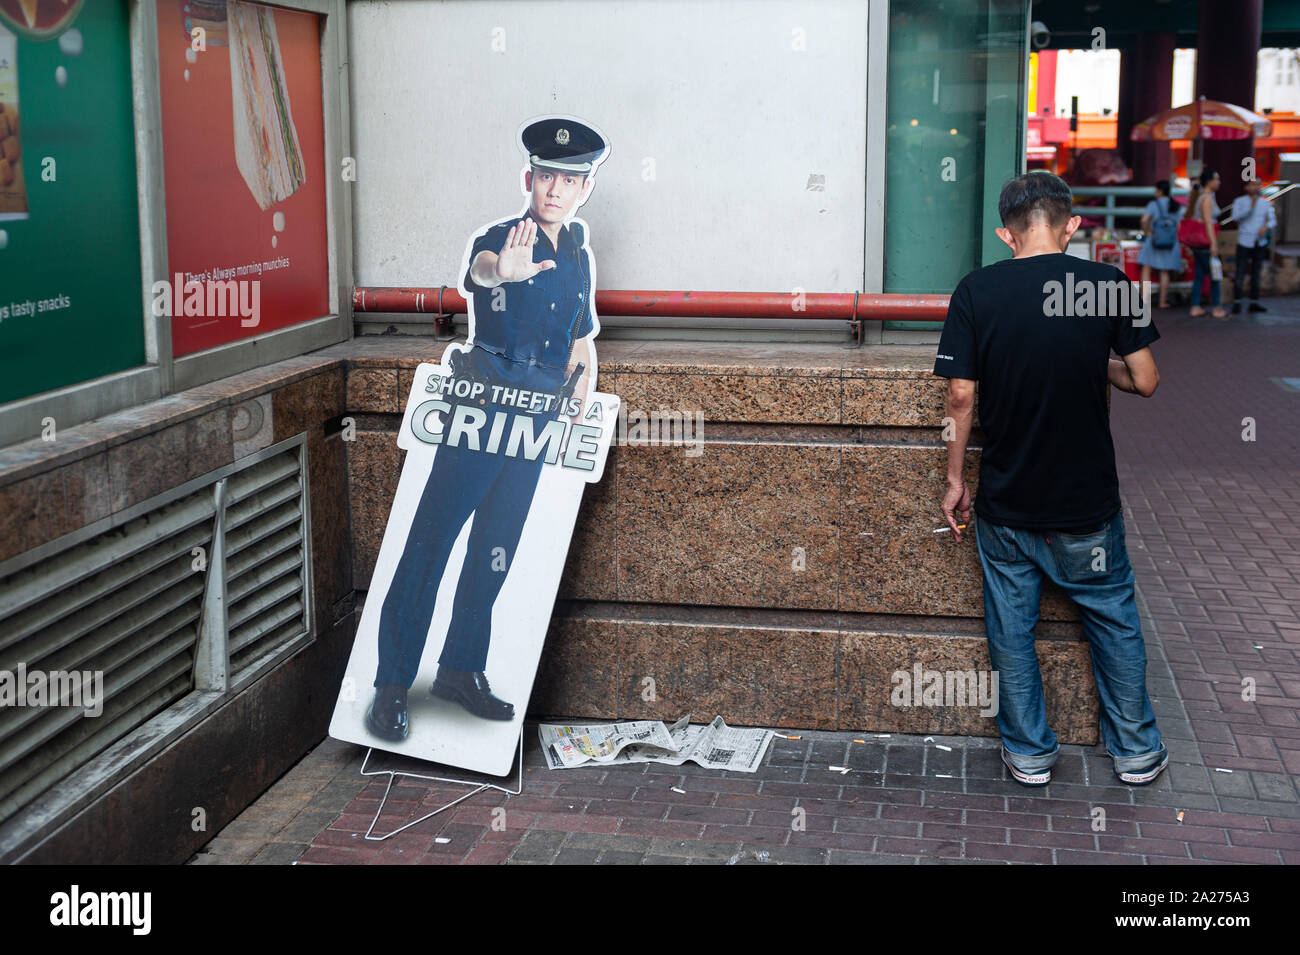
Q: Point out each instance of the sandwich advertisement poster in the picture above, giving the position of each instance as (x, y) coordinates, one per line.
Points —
(70, 295)
(244, 170)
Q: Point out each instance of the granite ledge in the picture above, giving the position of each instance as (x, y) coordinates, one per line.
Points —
(681, 357)
(830, 621)
(35, 456)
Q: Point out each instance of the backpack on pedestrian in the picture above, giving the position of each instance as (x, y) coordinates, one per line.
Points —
(1164, 230)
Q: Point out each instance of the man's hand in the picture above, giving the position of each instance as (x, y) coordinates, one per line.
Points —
(959, 409)
(957, 499)
(1136, 373)
(515, 260)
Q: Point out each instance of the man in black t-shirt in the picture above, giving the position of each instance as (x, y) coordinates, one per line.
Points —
(1037, 331)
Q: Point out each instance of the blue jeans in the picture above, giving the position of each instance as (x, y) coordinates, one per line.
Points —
(1201, 268)
(1094, 570)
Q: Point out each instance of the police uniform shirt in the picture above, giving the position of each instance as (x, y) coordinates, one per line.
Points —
(543, 315)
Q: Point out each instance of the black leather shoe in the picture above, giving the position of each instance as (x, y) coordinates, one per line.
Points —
(1256, 307)
(386, 717)
(1236, 308)
(471, 690)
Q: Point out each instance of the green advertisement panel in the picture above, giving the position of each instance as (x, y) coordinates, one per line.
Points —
(71, 306)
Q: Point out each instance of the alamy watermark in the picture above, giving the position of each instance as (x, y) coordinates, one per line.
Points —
(215, 293)
(81, 689)
(921, 687)
(665, 427)
(76, 907)
(1086, 298)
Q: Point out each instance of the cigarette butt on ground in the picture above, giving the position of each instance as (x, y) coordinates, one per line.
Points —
(859, 741)
(1218, 770)
(682, 791)
(442, 840)
(1180, 815)
(946, 749)
(787, 737)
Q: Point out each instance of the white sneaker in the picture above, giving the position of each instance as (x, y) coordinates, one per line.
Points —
(1028, 779)
(1143, 776)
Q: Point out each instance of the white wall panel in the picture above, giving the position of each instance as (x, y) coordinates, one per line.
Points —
(737, 120)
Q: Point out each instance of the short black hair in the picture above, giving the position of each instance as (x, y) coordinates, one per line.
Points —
(1035, 194)
(1162, 186)
(1208, 176)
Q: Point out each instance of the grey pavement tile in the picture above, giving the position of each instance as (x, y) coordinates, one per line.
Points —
(866, 757)
(576, 857)
(854, 781)
(923, 783)
(849, 857)
(985, 764)
(1184, 751)
(229, 851)
(793, 773)
(938, 783)
(939, 761)
(1232, 784)
(787, 752)
(937, 860)
(830, 752)
(608, 841)
(789, 855)
(1003, 786)
(279, 853)
(337, 794)
(1068, 768)
(1195, 779)
(1256, 807)
(1274, 786)
(618, 857)
(1179, 800)
(538, 845)
(306, 825)
(904, 759)
(693, 849)
(1093, 793)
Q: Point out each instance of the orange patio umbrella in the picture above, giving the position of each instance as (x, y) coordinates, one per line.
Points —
(1204, 119)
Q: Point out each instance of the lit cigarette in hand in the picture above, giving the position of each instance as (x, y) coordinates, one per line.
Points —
(945, 530)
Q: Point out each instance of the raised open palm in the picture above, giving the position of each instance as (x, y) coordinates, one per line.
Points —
(515, 260)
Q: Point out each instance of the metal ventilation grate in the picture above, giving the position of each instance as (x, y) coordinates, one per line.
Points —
(266, 565)
(138, 611)
(125, 606)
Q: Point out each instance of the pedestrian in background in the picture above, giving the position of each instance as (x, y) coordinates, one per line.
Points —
(1199, 231)
(1161, 251)
(1255, 218)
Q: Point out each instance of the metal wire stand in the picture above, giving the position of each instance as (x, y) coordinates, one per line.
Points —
(478, 788)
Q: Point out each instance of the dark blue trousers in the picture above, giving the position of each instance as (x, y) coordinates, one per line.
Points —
(496, 492)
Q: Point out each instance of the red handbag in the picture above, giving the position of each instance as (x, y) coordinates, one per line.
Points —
(1191, 233)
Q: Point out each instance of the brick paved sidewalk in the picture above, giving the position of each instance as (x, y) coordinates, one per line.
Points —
(1212, 524)
(1215, 529)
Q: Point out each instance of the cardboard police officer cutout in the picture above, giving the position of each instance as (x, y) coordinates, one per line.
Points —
(501, 438)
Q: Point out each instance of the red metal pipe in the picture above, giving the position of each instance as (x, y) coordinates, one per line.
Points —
(850, 306)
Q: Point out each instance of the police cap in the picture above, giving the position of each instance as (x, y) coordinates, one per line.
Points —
(563, 144)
